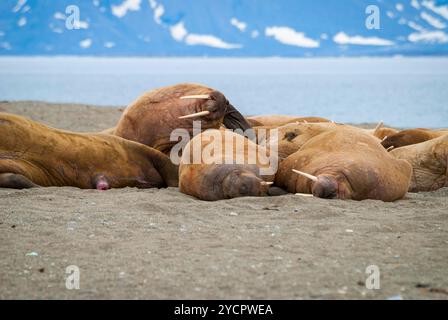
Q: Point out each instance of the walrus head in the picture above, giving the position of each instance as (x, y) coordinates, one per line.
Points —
(217, 108)
(405, 138)
(239, 183)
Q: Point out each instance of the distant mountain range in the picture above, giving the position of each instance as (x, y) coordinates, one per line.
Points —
(223, 27)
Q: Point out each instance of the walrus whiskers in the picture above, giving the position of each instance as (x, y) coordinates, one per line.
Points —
(194, 115)
(197, 96)
(306, 175)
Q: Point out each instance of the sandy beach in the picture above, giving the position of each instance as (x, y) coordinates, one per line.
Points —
(161, 244)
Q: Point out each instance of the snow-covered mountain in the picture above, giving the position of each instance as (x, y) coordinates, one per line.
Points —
(223, 27)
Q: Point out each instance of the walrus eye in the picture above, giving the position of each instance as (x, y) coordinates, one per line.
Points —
(290, 136)
(243, 189)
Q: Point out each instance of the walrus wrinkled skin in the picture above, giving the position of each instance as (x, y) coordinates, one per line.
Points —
(345, 163)
(154, 115)
(212, 178)
(280, 120)
(32, 154)
(429, 162)
(411, 136)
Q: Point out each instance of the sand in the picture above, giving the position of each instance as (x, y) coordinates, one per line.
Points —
(155, 244)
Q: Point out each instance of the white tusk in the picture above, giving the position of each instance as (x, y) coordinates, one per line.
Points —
(264, 183)
(384, 139)
(197, 96)
(307, 175)
(194, 115)
(378, 127)
(390, 148)
(304, 195)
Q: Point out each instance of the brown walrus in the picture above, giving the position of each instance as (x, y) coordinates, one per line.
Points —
(280, 120)
(227, 165)
(153, 116)
(345, 163)
(429, 162)
(32, 154)
(411, 136)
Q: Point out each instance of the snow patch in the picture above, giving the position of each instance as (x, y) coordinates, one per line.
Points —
(238, 24)
(178, 31)
(180, 34)
(209, 41)
(415, 4)
(59, 16)
(415, 26)
(440, 10)
(432, 37)
(159, 10)
(288, 36)
(21, 22)
(342, 38)
(127, 5)
(5, 45)
(87, 43)
(19, 6)
(433, 21)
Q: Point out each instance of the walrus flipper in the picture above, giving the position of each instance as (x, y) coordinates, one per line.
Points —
(167, 170)
(15, 181)
(233, 119)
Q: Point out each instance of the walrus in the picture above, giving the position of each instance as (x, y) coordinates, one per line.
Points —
(429, 162)
(345, 163)
(411, 136)
(32, 155)
(280, 120)
(151, 118)
(227, 165)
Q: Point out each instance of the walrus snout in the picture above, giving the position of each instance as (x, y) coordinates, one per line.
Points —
(325, 187)
(243, 184)
(100, 183)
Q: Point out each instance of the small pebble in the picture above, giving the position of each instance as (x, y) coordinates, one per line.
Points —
(32, 254)
(233, 213)
(349, 230)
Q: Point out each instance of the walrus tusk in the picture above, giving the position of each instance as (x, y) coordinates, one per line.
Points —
(304, 195)
(264, 183)
(197, 96)
(384, 139)
(194, 115)
(307, 175)
(378, 127)
(390, 148)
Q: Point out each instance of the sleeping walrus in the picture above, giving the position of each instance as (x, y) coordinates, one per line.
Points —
(32, 154)
(411, 136)
(220, 164)
(429, 162)
(345, 163)
(280, 120)
(152, 118)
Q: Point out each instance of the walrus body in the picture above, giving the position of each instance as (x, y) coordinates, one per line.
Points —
(411, 136)
(32, 154)
(280, 120)
(345, 163)
(429, 162)
(223, 169)
(152, 118)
